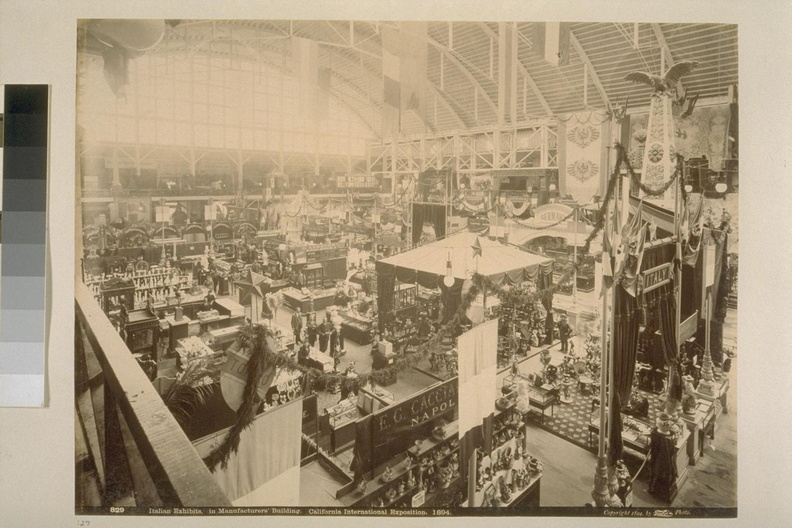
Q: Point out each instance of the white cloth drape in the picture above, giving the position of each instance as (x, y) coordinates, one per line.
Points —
(478, 350)
(269, 451)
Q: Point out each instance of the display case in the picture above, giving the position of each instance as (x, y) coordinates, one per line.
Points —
(356, 327)
(405, 297)
(636, 435)
(313, 275)
(427, 474)
(116, 292)
(141, 329)
(342, 419)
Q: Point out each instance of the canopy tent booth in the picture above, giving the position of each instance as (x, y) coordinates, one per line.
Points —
(432, 266)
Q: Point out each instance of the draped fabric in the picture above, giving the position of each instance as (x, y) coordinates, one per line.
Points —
(691, 230)
(477, 352)
(662, 302)
(625, 345)
(386, 282)
(362, 459)
(434, 214)
(268, 452)
(662, 469)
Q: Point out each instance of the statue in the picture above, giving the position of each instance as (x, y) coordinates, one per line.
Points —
(689, 400)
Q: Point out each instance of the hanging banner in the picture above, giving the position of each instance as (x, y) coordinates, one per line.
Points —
(582, 160)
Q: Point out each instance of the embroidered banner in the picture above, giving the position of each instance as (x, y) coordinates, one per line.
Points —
(582, 156)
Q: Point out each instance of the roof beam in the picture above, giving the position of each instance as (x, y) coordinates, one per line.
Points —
(441, 96)
(658, 31)
(592, 72)
(469, 76)
(524, 71)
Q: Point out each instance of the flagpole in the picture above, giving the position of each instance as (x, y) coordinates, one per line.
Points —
(613, 484)
(601, 493)
(673, 406)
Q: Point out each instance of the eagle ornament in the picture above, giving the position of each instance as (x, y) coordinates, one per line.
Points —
(665, 83)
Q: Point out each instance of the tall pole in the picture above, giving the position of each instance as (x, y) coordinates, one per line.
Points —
(706, 385)
(601, 493)
(613, 484)
(574, 271)
(673, 406)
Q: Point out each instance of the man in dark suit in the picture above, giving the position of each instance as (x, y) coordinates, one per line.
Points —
(297, 325)
(564, 333)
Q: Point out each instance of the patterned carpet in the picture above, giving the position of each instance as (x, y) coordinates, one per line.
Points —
(570, 420)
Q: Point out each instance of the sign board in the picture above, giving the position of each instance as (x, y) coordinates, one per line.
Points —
(655, 277)
(233, 375)
(417, 410)
(552, 213)
(418, 499)
(687, 328)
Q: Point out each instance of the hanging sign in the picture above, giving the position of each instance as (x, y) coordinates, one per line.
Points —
(656, 277)
(233, 375)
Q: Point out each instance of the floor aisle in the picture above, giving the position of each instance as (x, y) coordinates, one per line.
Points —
(712, 483)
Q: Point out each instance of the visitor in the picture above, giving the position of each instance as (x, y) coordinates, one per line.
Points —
(297, 325)
(564, 333)
(325, 329)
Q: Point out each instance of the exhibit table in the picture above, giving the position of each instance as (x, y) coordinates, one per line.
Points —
(700, 424)
(320, 361)
(720, 392)
(343, 421)
(372, 398)
(317, 300)
(356, 328)
(636, 435)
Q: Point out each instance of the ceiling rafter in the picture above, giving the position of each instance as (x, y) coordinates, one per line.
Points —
(526, 74)
(658, 31)
(442, 97)
(592, 71)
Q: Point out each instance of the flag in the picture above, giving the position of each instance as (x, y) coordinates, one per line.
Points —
(305, 56)
(630, 255)
(391, 89)
(477, 352)
(404, 73)
(551, 41)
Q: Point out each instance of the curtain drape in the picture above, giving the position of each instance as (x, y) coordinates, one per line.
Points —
(434, 214)
(625, 345)
(268, 448)
(477, 389)
(386, 281)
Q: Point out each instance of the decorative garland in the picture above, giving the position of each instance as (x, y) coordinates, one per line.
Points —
(262, 358)
(520, 222)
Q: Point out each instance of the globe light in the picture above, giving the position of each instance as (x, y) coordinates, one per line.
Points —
(721, 187)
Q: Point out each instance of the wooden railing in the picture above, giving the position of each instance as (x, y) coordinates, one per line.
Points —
(139, 456)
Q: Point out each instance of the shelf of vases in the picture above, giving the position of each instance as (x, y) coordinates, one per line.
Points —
(421, 463)
(502, 468)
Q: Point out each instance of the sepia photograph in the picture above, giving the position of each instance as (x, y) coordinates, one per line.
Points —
(421, 268)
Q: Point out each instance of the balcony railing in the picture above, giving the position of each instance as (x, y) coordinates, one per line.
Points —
(130, 449)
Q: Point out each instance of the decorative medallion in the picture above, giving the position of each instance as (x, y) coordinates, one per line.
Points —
(582, 170)
(655, 153)
(583, 135)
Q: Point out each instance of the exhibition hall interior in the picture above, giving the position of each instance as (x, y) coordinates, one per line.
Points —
(380, 266)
